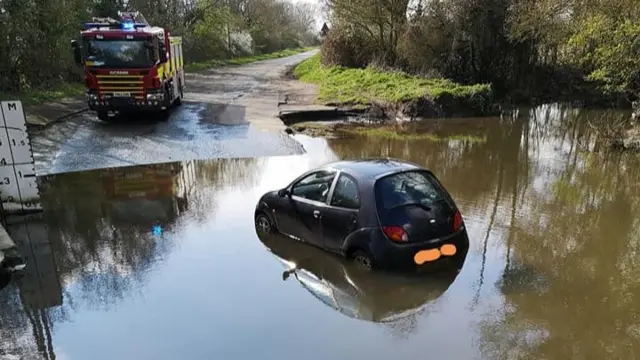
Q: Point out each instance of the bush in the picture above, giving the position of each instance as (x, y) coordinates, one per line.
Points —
(348, 48)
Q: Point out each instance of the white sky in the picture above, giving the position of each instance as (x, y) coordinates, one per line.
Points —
(320, 18)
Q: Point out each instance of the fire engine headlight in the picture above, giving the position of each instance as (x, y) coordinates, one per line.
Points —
(155, 97)
(92, 97)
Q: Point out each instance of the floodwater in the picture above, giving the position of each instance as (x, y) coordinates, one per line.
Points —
(163, 262)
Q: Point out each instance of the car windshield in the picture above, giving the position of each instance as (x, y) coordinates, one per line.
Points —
(118, 54)
(413, 187)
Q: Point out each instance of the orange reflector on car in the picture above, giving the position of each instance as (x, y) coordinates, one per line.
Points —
(448, 249)
(424, 256)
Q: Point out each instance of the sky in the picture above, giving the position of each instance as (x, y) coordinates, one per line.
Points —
(320, 16)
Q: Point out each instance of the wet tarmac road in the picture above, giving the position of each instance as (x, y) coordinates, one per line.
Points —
(228, 112)
(163, 262)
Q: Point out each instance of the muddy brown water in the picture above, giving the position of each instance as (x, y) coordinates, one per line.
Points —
(163, 262)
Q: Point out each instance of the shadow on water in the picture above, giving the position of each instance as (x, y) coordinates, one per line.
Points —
(359, 294)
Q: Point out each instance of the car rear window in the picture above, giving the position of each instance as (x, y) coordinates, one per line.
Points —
(412, 187)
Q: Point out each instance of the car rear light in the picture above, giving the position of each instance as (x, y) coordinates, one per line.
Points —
(457, 221)
(396, 233)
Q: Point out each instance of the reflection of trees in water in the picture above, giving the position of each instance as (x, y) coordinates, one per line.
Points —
(235, 173)
(25, 332)
(220, 175)
(573, 270)
(12, 322)
(571, 236)
(468, 169)
(102, 256)
(104, 259)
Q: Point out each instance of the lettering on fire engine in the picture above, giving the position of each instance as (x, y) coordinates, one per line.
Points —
(118, 72)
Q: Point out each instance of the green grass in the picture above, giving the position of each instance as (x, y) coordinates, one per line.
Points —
(34, 97)
(204, 65)
(363, 86)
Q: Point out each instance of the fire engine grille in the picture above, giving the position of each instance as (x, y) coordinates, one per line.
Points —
(121, 86)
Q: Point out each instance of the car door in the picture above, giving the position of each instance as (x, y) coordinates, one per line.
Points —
(306, 205)
(341, 216)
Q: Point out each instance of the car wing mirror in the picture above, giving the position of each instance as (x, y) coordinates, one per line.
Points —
(284, 192)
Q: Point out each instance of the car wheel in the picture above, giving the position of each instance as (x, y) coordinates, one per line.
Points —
(264, 224)
(363, 260)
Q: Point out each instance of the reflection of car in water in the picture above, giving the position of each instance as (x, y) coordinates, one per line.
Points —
(379, 212)
(360, 294)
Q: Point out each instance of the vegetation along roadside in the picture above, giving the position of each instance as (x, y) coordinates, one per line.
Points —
(463, 57)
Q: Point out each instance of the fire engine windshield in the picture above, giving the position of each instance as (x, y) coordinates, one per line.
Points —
(118, 54)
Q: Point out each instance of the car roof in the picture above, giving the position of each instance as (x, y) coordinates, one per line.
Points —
(371, 168)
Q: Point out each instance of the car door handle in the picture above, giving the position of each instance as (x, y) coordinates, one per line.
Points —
(316, 213)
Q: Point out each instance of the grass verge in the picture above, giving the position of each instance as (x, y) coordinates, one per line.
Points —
(204, 65)
(366, 86)
(34, 97)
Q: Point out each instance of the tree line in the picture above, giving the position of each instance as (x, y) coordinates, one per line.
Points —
(35, 35)
(524, 48)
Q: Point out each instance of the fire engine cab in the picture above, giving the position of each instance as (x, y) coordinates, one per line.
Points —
(129, 66)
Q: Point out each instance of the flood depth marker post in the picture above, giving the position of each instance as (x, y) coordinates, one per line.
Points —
(18, 183)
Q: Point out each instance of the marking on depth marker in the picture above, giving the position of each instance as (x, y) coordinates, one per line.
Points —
(18, 182)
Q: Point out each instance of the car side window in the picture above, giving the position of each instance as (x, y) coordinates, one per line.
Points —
(346, 193)
(314, 186)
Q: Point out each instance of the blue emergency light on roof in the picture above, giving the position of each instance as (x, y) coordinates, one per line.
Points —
(128, 25)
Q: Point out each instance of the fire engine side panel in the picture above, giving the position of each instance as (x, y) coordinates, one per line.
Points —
(176, 63)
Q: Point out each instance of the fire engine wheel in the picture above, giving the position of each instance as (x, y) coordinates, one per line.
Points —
(180, 95)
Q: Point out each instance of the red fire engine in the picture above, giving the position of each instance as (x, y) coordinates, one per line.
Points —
(130, 65)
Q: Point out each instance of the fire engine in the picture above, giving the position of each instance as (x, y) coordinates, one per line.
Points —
(129, 66)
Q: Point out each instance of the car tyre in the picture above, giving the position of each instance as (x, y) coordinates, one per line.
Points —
(264, 225)
(363, 260)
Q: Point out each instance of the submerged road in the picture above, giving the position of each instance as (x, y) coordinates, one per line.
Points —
(163, 262)
(227, 112)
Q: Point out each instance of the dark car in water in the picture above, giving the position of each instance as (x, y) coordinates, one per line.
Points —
(383, 213)
(381, 297)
